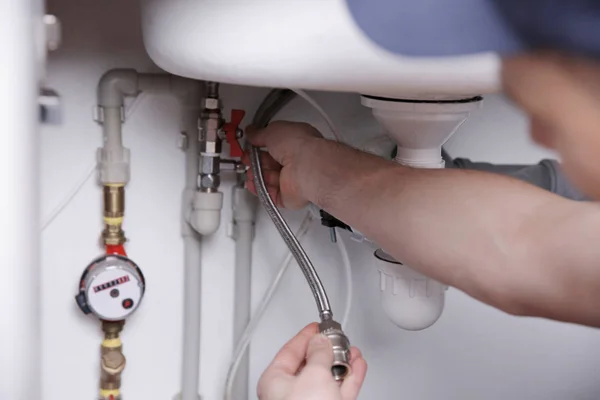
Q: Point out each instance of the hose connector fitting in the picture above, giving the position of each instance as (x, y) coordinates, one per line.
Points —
(341, 348)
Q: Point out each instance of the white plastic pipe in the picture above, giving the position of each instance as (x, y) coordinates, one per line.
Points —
(244, 216)
(112, 127)
(206, 212)
(20, 373)
(190, 366)
(113, 159)
(243, 287)
(116, 84)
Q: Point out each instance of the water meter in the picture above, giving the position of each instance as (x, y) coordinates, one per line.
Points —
(111, 288)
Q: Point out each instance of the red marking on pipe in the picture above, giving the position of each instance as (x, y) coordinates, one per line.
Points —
(118, 249)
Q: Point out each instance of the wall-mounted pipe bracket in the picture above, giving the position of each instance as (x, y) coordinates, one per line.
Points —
(98, 114)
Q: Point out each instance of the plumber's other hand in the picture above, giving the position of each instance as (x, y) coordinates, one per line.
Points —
(560, 93)
(288, 145)
(302, 371)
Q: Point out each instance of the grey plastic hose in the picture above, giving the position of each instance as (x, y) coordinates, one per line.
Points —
(271, 105)
(547, 175)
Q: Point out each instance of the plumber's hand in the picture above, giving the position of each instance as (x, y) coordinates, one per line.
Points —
(302, 371)
(560, 93)
(287, 144)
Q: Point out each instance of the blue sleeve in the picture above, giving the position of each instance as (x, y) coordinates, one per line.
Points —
(458, 27)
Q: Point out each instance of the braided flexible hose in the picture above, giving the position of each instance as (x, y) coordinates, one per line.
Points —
(290, 240)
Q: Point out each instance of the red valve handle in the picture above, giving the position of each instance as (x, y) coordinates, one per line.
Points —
(231, 128)
(118, 249)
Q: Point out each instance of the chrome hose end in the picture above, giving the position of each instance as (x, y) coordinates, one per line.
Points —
(340, 368)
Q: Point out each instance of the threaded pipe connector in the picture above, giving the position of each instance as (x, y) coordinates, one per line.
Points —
(113, 235)
(113, 360)
(114, 209)
(114, 201)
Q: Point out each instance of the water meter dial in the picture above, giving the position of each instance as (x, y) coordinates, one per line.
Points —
(111, 288)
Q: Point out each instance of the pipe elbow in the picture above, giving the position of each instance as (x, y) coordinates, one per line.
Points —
(206, 212)
(114, 85)
(206, 222)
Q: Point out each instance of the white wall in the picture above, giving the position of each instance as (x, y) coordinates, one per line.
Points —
(473, 352)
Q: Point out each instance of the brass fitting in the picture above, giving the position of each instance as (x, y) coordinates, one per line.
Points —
(341, 348)
(113, 235)
(114, 209)
(112, 329)
(112, 361)
(114, 201)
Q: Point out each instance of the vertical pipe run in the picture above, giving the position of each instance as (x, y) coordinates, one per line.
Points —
(243, 286)
(211, 123)
(112, 127)
(212, 90)
(190, 369)
(114, 170)
(112, 361)
(114, 173)
(20, 374)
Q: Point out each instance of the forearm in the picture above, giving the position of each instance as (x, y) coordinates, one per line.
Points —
(502, 241)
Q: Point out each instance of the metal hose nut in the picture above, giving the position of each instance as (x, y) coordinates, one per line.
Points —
(341, 348)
